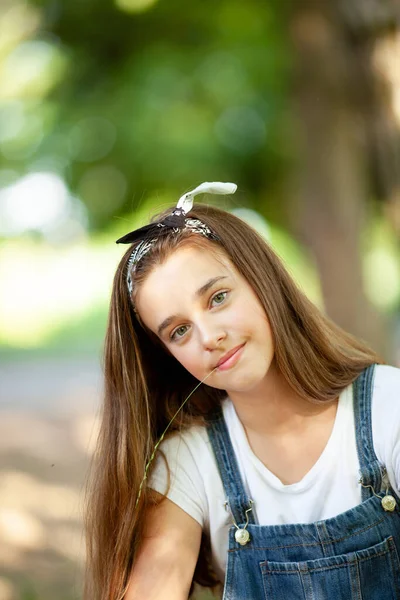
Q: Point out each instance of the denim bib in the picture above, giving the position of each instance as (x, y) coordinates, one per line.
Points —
(353, 556)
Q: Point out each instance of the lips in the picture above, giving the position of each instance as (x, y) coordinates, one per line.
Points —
(228, 355)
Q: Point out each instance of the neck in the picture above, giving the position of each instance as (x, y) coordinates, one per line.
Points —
(274, 408)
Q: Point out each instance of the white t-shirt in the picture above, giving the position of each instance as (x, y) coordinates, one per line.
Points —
(328, 489)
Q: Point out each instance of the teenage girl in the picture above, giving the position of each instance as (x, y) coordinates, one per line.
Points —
(245, 438)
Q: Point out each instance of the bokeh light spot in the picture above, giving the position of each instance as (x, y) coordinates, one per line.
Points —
(12, 119)
(63, 285)
(18, 21)
(31, 69)
(382, 278)
(25, 140)
(19, 528)
(134, 6)
(254, 219)
(32, 203)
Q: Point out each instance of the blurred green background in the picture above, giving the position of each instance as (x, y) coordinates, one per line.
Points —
(109, 111)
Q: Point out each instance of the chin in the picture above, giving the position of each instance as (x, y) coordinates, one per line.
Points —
(244, 384)
(216, 386)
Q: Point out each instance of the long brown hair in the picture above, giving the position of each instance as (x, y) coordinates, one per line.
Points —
(144, 386)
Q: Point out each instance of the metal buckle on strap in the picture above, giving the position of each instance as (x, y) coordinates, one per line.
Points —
(242, 535)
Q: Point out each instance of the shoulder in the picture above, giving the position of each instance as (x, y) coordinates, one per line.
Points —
(386, 398)
(194, 441)
(386, 382)
(182, 468)
(386, 417)
(182, 451)
(186, 443)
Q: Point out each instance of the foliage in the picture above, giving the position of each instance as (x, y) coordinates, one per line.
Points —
(124, 104)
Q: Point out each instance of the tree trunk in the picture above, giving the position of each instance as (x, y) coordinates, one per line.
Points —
(336, 90)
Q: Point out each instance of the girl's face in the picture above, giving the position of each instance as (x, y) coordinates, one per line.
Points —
(208, 317)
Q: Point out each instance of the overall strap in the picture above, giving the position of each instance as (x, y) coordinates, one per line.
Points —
(370, 469)
(228, 468)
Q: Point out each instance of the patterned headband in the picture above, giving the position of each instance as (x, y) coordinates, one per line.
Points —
(172, 223)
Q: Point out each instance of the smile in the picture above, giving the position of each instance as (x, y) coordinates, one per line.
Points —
(230, 359)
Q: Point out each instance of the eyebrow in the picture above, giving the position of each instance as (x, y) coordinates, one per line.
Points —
(199, 293)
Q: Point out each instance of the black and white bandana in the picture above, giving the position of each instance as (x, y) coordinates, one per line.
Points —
(172, 223)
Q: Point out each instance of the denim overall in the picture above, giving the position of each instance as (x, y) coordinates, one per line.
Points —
(353, 556)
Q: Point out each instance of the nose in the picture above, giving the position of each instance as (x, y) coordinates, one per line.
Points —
(212, 336)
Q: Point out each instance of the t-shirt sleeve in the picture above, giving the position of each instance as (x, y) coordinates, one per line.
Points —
(183, 483)
(386, 421)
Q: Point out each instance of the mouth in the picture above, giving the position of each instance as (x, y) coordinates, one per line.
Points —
(230, 358)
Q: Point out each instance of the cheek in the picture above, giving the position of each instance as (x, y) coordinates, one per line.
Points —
(255, 323)
(249, 317)
(188, 359)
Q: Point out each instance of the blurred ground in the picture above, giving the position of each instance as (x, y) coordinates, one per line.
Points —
(47, 428)
(48, 424)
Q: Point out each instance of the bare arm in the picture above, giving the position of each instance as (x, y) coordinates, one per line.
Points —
(165, 563)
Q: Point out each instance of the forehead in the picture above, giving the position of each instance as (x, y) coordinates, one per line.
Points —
(169, 284)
